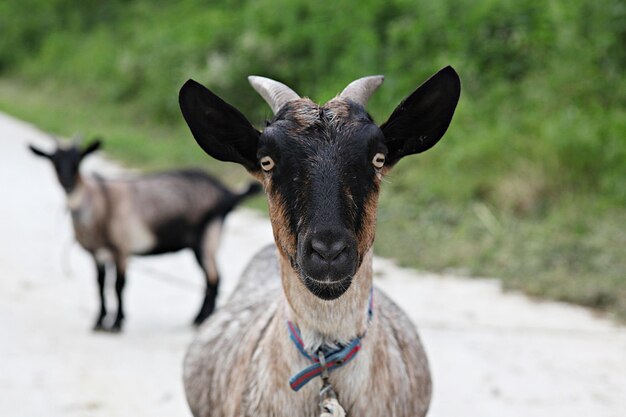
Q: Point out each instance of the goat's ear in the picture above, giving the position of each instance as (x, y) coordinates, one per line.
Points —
(92, 147)
(39, 152)
(219, 128)
(418, 123)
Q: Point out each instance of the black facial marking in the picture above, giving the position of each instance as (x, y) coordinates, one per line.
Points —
(323, 176)
(66, 164)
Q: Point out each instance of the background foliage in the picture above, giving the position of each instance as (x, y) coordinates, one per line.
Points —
(528, 185)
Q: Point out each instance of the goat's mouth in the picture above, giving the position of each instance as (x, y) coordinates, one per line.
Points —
(327, 289)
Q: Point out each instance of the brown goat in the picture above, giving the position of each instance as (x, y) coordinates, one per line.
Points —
(309, 299)
(146, 215)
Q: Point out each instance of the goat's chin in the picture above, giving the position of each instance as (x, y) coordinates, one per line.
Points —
(327, 289)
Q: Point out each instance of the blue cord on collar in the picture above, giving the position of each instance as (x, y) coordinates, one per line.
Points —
(334, 358)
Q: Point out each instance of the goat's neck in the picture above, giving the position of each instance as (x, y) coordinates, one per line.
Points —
(324, 322)
(77, 195)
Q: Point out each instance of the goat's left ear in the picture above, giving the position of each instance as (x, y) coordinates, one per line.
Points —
(219, 128)
(418, 123)
(39, 152)
(92, 147)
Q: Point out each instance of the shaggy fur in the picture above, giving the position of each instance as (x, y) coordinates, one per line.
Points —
(250, 377)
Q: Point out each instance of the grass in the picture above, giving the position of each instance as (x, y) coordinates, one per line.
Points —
(439, 212)
(572, 253)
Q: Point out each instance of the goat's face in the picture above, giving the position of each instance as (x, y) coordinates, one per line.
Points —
(322, 165)
(66, 162)
(316, 165)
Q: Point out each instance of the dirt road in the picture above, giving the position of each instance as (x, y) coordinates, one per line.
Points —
(492, 354)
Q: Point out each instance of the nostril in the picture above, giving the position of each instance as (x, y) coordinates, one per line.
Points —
(319, 247)
(337, 249)
(328, 251)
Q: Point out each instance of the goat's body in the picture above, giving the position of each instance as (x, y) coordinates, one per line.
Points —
(242, 360)
(148, 215)
(145, 215)
(151, 214)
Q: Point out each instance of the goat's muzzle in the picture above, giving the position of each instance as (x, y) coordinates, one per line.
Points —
(327, 260)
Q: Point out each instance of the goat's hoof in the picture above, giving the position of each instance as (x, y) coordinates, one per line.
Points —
(200, 318)
(98, 327)
(116, 328)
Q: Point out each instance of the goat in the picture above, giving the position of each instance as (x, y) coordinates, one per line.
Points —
(307, 301)
(148, 215)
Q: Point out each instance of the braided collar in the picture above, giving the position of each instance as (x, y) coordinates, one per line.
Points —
(334, 358)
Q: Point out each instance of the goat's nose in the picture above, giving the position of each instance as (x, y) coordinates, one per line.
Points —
(328, 250)
(328, 255)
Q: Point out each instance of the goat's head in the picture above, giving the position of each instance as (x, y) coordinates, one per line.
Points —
(322, 165)
(66, 161)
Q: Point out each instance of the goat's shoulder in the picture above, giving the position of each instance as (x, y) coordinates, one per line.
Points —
(399, 346)
(397, 325)
(226, 342)
(107, 191)
(90, 201)
(260, 275)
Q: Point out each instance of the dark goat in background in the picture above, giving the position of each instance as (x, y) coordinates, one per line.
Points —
(146, 215)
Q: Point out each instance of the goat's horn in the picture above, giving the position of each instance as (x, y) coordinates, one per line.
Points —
(78, 139)
(360, 90)
(54, 139)
(276, 94)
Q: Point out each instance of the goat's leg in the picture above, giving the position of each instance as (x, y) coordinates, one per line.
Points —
(210, 294)
(101, 271)
(208, 304)
(120, 282)
(205, 254)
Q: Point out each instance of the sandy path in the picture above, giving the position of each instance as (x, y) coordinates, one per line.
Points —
(492, 354)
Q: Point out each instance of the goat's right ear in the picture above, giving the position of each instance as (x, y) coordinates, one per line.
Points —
(219, 128)
(418, 123)
(39, 152)
(92, 147)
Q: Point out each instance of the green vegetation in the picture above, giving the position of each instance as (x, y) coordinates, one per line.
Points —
(528, 185)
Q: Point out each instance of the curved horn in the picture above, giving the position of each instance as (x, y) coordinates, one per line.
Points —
(360, 90)
(276, 94)
(56, 140)
(77, 139)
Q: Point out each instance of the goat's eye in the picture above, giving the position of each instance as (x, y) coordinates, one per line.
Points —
(378, 161)
(267, 163)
